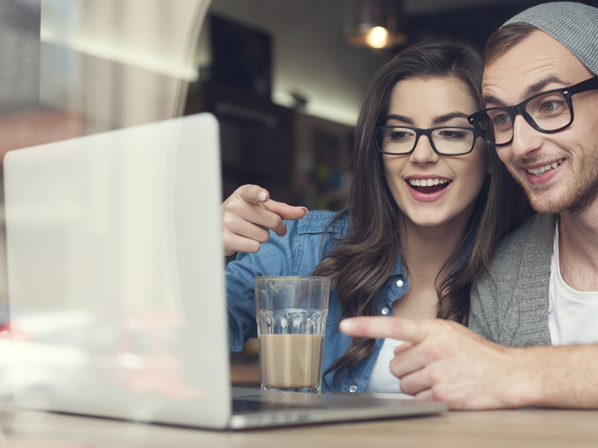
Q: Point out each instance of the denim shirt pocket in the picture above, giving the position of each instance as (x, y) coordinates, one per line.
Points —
(315, 233)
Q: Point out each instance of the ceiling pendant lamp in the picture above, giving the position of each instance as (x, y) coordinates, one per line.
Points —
(375, 23)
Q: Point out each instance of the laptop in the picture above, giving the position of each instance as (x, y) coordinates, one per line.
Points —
(117, 290)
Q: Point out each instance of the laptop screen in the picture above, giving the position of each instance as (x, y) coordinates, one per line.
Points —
(116, 279)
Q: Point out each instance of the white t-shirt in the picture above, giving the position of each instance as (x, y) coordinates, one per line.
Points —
(382, 381)
(572, 315)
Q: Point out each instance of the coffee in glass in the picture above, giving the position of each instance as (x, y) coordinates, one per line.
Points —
(291, 321)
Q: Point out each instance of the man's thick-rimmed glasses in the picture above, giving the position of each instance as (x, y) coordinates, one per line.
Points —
(546, 112)
(445, 140)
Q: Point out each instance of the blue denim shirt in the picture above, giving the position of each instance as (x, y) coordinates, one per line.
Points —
(307, 242)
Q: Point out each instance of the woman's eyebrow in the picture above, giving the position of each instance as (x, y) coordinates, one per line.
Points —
(437, 120)
(402, 118)
(446, 117)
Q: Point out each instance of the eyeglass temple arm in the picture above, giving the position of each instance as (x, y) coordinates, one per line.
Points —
(584, 86)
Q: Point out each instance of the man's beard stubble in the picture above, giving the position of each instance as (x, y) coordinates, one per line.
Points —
(579, 195)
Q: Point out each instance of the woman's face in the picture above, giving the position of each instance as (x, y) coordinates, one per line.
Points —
(427, 103)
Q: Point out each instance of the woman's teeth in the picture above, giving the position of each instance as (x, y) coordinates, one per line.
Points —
(429, 186)
(427, 182)
(542, 169)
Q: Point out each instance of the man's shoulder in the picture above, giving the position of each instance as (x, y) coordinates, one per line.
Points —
(537, 231)
(509, 301)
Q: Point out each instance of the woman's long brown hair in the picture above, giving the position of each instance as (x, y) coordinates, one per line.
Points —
(363, 260)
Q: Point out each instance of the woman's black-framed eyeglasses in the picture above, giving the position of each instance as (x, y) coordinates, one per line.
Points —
(546, 112)
(444, 140)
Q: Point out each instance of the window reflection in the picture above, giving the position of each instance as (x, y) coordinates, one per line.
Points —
(69, 69)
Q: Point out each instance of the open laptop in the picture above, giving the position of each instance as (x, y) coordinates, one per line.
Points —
(116, 285)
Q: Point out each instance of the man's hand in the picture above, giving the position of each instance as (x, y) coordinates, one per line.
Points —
(445, 361)
(247, 215)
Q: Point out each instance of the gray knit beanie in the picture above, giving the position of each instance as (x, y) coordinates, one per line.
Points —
(574, 25)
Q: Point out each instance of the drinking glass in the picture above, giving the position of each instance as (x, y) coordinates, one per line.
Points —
(291, 320)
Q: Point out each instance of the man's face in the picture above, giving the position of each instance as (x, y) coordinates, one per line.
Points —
(568, 178)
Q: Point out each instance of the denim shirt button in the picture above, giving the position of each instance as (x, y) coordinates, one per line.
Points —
(400, 283)
(353, 389)
(385, 311)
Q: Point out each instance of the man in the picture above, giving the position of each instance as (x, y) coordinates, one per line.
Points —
(541, 97)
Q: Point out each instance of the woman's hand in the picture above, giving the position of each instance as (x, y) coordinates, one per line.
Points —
(247, 216)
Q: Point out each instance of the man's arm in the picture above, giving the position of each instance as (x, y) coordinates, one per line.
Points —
(445, 361)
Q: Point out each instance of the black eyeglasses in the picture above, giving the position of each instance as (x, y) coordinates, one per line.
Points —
(546, 112)
(445, 140)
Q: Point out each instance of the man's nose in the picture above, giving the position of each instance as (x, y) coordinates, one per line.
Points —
(423, 152)
(526, 140)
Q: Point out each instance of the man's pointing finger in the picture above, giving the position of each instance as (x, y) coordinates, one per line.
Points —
(408, 330)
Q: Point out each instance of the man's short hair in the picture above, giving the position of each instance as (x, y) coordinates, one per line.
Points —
(574, 25)
(505, 38)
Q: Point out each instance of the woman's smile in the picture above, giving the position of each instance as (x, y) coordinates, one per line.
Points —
(427, 188)
(428, 184)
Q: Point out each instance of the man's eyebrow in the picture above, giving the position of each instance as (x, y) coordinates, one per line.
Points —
(489, 99)
(402, 118)
(530, 91)
(537, 87)
(446, 117)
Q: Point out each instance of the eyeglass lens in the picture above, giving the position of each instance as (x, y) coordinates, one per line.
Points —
(450, 141)
(549, 112)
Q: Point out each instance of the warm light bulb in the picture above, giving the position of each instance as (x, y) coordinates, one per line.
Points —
(377, 37)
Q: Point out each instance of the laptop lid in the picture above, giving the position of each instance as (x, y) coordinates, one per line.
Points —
(116, 281)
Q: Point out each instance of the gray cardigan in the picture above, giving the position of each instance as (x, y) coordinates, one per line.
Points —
(509, 302)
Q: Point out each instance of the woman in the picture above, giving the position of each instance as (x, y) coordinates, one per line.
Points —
(426, 208)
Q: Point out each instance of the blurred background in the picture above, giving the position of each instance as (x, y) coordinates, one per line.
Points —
(285, 78)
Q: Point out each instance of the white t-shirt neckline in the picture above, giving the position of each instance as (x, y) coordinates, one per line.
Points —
(381, 380)
(572, 314)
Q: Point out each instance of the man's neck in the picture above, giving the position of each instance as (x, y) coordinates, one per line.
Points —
(578, 249)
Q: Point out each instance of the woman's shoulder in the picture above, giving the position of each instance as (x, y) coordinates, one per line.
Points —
(321, 221)
(300, 250)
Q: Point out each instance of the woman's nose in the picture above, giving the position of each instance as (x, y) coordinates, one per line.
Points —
(423, 152)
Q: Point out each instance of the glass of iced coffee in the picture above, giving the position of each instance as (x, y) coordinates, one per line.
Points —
(291, 320)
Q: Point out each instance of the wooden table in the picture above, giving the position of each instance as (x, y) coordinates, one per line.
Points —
(521, 428)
